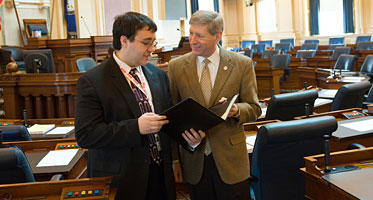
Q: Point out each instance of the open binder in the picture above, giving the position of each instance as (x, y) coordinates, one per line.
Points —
(189, 114)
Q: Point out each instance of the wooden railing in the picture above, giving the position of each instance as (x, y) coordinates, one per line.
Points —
(42, 95)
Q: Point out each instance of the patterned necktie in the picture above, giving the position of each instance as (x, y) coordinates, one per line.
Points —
(205, 82)
(153, 139)
(206, 88)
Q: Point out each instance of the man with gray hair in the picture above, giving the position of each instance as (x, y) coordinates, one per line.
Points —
(219, 167)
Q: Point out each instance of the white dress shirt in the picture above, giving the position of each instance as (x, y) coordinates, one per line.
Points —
(140, 74)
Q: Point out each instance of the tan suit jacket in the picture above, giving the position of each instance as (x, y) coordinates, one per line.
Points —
(227, 140)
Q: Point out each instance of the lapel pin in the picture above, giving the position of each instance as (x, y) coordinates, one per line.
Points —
(225, 68)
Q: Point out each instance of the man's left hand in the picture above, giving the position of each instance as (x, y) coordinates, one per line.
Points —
(234, 111)
(193, 137)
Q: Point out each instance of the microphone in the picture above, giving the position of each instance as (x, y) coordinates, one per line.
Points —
(307, 106)
(327, 154)
(305, 85)
(86, 26)
(25, 117)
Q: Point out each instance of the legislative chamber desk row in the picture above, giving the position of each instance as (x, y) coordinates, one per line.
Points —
(75, 184)
(356, 184)
(76, 170)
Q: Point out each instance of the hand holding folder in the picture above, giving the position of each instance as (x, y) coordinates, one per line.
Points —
(189, 114)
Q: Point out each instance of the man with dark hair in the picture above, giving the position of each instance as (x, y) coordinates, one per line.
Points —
(116, 115)
(219, 167)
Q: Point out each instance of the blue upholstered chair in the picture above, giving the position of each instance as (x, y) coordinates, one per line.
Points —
(14, 167)
(339, 51)
(311, 41)
(85, 64)
(350, 96)
(290, 40)
(333, 46)
(268, 43)
(369, 98)
(270, 53)
(248, 52)
(364, 46)
(281, 61)
(283, 47)
(247, 44)
(365, 38)
(367, 67)
(336, 40)
(345, 62)
(289, 105)
(279, 153)
(17, 55)
(15, 133)
(258, 48)
(306, 54)
(309, 46)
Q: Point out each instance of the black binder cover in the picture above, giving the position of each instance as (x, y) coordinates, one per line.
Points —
(189, 114)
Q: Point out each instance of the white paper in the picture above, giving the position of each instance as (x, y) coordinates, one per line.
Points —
(364, 125)
(251, 140)
(40, 128)
(63, 130)
(328, 93)
(353, 79)
(320, 102)
(57, 158)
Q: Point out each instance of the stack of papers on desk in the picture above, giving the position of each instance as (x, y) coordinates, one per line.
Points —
(353, 79)
(40, 129)
(58, 158)
(62, 131)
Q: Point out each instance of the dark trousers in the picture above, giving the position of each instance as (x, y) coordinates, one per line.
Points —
(211, 186)
(156, 186)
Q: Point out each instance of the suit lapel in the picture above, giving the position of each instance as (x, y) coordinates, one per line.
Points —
(190, 69)
(225, 68)
(121, 84)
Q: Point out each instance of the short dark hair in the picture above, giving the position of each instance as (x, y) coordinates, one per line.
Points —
(128, 25)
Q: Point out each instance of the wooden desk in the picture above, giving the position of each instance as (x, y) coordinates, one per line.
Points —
(320, 62)
(332, 83)
(165, 56)
(67, 51)
(56, 190)
(317, 188)
(292, 83)
(30, 147)
(313, 76)
(50, 95)
(338, 143)
(268, 78)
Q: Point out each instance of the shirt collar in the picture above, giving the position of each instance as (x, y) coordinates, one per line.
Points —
(123, 65)
(214, 58)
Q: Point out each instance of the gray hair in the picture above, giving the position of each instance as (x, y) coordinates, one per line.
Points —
(213, 20)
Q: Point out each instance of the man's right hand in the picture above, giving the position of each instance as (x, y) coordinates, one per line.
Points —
(151, 123)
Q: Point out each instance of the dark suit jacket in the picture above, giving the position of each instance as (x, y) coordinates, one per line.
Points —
(106, 124)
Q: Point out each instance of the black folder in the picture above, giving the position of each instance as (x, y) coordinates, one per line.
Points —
(189, 114)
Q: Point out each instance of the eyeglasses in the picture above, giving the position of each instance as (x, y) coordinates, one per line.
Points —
(147, 44)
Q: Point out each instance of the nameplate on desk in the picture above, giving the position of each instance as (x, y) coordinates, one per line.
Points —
(354, 127)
